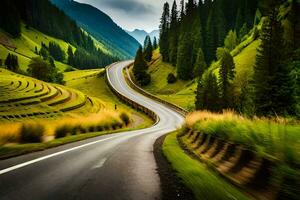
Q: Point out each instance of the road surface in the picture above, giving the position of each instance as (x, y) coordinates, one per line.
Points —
(119, 166)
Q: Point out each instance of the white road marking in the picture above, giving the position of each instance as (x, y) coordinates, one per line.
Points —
(100, 164)
(4, 171)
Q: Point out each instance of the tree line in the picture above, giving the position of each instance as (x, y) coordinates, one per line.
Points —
(200, 28)
(144, 55)
(199, 33)
(47, 18)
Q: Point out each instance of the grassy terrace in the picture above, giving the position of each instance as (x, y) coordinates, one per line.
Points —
(35, 115)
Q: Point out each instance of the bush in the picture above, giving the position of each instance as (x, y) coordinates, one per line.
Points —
(32, 133)
(143, 78)
(171, 78)
(125, 118)
(62, 131)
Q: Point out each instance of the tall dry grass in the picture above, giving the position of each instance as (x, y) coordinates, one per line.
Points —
(278, 137)
(27, 131)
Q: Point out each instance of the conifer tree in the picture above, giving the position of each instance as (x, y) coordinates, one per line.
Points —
(184, 62)
(164, 32)
(155, 45)
(70, 56)
(173, 35)
(140, 67)
(148, 48)
(231, 40)
(200, 64)
(207, 93)
(226, 73)
(210, 46)
(273, 87)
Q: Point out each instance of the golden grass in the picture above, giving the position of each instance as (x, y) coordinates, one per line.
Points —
(10, 132)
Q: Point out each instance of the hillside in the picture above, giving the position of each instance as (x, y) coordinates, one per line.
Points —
(24, 46)
(182, 93)
(89, 53)
(101, 26)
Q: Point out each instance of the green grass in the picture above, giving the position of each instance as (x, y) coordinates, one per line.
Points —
(31, 38)
(270, 138)
(95, 86)
(182, 93)
(204, 183)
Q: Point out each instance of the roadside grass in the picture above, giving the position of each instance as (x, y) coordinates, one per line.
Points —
(204, 183)
(272, 138)
(13, 150)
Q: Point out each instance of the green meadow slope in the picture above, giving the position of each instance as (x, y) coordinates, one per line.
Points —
(182, 93)
(24, 46)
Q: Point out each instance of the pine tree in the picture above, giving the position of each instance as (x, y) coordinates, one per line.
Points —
(70, 56)
(209, 39)
(184, 63)
(226, 73)
(200, 65)
(173, 35)
(164, 32)
(207, 93)
(12, 63)
(140, 67)
(273, 87)
(148, 49)
(155, 46)
(231, 40)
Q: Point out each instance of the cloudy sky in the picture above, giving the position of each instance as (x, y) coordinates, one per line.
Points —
(132, 14)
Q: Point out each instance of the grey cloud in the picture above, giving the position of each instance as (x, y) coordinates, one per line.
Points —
(132, 6)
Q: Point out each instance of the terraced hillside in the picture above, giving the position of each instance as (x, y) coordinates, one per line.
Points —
(23, 98)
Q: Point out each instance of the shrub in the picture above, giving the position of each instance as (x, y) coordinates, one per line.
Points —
(31, 133)
(125, 118)
(62, 131)
(171, 78)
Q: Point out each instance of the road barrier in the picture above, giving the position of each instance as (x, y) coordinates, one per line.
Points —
(130, 102)
(151, 96)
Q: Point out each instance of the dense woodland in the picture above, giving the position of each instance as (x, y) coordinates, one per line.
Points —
(201, 35)
(55, 23)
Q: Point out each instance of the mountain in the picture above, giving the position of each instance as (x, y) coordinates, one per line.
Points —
(23, 19)
(140, 35)
(101, 26)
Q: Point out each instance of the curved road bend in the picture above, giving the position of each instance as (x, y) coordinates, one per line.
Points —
(112, 167)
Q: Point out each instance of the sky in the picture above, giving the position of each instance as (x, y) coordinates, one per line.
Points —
(132, 14)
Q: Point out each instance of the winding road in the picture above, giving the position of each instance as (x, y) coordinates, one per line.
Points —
(120, 166)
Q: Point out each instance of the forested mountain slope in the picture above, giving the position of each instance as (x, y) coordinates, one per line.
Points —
(87, 52)
(101, 26)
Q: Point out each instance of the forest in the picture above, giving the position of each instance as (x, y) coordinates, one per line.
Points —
(201, 36)
(55, 23)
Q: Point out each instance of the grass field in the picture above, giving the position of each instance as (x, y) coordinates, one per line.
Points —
(204, 183)
(93, 84)
(25, 46)
(182, 93)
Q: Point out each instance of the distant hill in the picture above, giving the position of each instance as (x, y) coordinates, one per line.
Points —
(101, 26)
(140, 35)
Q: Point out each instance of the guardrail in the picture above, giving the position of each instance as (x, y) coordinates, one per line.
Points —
(151, 96)
(128, 101)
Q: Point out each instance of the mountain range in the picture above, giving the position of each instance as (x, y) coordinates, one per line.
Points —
(140, 35)
(101, 26)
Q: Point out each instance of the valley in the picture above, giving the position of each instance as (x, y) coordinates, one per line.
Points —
(206, 106)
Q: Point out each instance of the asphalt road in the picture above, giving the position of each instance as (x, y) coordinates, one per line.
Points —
(118, 166)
